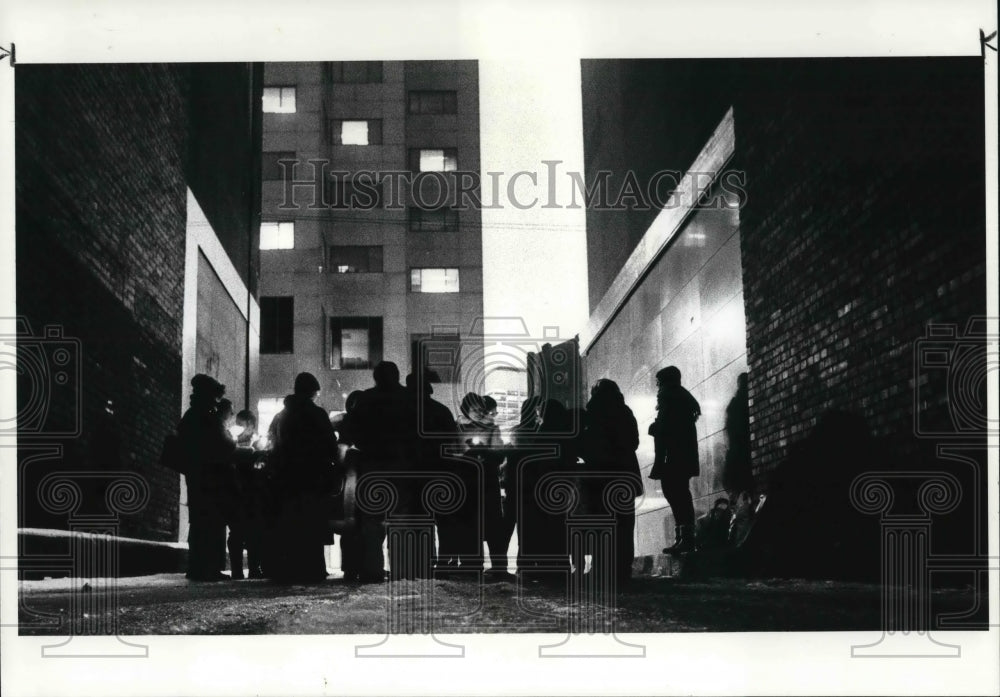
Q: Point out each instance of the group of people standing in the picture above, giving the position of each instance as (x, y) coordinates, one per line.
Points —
(457, 477)
(565, 481)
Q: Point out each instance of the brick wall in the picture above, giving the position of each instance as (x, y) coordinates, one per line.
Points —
(101, 201)
(863, 223)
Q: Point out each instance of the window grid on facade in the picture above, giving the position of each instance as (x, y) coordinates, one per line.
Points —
(279, 100)
(434, 280)
(433, 159)
(355, 343)
(277, 235)
(356, 131)
(433, 219)
(277, 324)
(432, 102)
(356, 72)
(355, 259)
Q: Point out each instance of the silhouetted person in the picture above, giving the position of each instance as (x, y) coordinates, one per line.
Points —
(610, 439)
(384, 435)
(481, 439)
(501, 529)
(349, 457)
(737, 475)
(231, 491)
(436, 433)
(676, 452)
(209, 450)
(523, 435)
(544, 536)
(246, 526)
(303, 454)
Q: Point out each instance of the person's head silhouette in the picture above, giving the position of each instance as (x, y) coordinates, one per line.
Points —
(306, 385)
(669, 376)
(386, 374)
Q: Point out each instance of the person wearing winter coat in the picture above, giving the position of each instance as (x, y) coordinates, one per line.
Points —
(676, 453)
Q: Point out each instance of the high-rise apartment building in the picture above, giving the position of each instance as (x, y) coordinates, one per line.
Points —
(366, 248)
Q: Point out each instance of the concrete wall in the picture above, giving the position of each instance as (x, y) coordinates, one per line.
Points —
(862, 226)
(687, 313)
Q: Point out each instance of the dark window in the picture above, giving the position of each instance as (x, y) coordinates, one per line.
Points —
(355, 72)
(276, 324)
(433, 220)
(271, 168)
(433, 159)
(355, 342)
(356, 194)
(432, 102)
(441, 354)
(356, 131)
(356, 259)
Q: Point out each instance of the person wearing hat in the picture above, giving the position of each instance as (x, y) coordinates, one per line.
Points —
(209, 452)
(303, 456)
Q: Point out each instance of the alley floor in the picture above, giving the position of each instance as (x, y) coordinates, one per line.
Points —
(169, 604)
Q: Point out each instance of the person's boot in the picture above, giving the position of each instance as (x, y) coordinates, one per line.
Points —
(683, 541)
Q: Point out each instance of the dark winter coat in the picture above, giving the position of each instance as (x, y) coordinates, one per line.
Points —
(674, 434)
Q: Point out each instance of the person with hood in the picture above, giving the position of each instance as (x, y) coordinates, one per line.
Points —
(209, 451)
(610, 439)
(303, 454)
(675, 440)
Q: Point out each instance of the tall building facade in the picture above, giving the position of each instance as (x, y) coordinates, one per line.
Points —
(367, 251)
(828, 223)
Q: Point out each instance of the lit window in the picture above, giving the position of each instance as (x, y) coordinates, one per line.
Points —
(267, 409)
(279, 100)
(434, 160)
(277, 235)
(356, 132)
(434, 280)
(355, 342)
(356, 259)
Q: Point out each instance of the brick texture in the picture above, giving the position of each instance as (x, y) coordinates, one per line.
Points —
(863, 224)
(105, 155)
